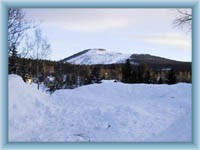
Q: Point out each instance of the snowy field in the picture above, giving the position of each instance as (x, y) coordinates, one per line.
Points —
(100, 112)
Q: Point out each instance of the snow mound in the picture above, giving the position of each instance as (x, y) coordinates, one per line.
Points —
(110, 111)
(27, 110)
(99, 56)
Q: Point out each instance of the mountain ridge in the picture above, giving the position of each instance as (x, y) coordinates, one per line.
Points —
(103, 56)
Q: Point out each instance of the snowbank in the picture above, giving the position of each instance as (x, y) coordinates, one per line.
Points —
(27, 110)
(111, 111)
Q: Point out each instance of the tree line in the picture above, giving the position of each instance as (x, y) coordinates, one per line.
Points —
(66, 75)
(143, 74)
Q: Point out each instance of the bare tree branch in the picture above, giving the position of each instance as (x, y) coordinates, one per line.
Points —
(17, 25)
(184, 18)
(27, 46)
(38, 45)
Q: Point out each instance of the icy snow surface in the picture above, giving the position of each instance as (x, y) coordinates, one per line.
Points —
(111, 111)
(96, 56)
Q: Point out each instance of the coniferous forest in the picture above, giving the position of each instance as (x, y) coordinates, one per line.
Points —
(59, 75)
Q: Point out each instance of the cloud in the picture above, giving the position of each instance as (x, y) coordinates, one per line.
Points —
(100, 19)
(82, 20)
(148, 30)
(94, 25)
(169, 39)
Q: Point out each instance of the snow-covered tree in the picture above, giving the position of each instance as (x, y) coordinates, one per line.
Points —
(78, 81)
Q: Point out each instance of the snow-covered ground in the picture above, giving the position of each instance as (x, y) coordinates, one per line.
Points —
(111, 111)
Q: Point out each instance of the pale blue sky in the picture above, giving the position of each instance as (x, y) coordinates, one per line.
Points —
(146, 31)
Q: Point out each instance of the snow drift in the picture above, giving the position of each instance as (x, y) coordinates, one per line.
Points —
(111, 111)
(28, 110)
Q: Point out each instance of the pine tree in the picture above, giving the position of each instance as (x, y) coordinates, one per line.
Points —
(171, 77)
(142, 72)
(147, 77)
(59, 76)
(95, 75)
(160, 81)
(13, 61)
(126, 72)
(23, 70)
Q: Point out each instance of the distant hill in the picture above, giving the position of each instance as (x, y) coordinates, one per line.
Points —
(106, 57)
(159, 62)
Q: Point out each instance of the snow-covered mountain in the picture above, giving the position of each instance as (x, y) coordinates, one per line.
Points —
(102, 56)
(97, 56)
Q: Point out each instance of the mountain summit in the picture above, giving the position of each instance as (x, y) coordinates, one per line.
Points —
(97, 56)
